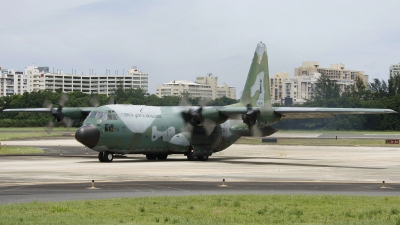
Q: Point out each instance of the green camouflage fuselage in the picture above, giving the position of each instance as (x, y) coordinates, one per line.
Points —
(133, 129)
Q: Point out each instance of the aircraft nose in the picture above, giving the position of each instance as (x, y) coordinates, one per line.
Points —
(88, 135)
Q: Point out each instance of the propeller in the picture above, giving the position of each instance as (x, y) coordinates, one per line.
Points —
(250, 117)
(57, 113)
(194, 117)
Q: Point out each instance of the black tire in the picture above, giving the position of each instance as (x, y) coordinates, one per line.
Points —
(151, 157)
(108, 157)
(162, 156)
(190, 157)
(101, 156)
(202, 158)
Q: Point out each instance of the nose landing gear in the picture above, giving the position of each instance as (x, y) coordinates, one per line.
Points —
(105, 156)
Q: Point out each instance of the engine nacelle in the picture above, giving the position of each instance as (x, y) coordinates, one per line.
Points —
(242, 129)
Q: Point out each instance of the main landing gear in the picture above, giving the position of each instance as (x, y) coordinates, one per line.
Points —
(156, 156)
(190, 157)
(105, 156)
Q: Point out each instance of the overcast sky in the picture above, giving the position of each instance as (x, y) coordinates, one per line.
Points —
(184, 39)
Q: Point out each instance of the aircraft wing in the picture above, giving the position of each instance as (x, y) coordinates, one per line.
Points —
(306, 112)
(303, 112)
(234, 113)
(85, 110)
(71, 112)
(34, 110)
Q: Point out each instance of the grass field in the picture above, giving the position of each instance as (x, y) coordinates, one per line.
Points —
(217, 209)
(35, 129)
(340, 131)
(7, 150)
(9, 133)
(317, 142)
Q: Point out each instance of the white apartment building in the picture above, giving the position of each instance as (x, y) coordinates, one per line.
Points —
(12, 82)
(334, 72)
(298, 89)
(394, 69)
(39, 78)
(203, 87)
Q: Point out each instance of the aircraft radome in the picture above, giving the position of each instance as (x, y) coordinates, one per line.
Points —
(194, 131)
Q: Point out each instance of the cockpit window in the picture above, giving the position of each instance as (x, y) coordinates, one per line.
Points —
(92, 114)
(109, 115)
(100, 115)
(114, 116)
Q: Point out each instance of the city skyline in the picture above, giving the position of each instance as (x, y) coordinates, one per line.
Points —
(187, 39)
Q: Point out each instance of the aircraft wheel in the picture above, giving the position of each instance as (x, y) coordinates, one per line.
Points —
(151, 157)
(202, 158)
(190, 157)
(162, 156)
(108, 157)
(101, 156)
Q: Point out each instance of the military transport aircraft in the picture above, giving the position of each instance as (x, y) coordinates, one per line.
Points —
(194, 131)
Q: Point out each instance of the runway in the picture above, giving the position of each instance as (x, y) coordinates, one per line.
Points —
(133, 189)
(261, 169)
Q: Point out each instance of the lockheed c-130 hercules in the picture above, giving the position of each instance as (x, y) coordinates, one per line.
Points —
(194, 131)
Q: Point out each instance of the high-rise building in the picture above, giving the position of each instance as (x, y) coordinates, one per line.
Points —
(336, 72)
(299, 89)
(12, 82)
(394, 69)
(203, 87)
(39, 78)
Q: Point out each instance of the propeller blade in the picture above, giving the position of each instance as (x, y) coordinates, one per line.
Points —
(67, 122)
(255, 131)
(49, 127)
(209, 126)
(94, 101)
(47, 104)
(63, 99)
(111, 101)
(188, 128)
(184, 102)
(204, 101)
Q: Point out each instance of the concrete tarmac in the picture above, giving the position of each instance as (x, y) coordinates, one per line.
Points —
(264, 169)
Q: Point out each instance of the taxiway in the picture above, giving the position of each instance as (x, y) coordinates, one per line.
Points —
(268, 169)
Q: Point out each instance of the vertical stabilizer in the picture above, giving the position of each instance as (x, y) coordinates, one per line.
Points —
(256, 90)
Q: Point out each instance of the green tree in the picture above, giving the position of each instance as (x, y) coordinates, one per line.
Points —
(325, 88)
(223, 101)
(394, 84)
(378, 89)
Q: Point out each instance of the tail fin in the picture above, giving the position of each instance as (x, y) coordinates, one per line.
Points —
(257, 89)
